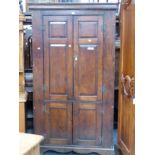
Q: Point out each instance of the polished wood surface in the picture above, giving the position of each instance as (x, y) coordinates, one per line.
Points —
(126, 119)
(73, 53)
(29, 144)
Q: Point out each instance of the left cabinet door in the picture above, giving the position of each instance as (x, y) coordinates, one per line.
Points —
(57, 77)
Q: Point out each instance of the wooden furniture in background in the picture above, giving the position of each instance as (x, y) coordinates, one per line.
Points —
(117, 56)
(28, 72)
(73, 60)
(126, 119)
(29, 144)
(22, 93)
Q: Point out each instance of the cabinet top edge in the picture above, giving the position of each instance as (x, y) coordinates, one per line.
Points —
(71, 6)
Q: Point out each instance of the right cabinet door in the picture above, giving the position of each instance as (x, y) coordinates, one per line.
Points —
(88, 67)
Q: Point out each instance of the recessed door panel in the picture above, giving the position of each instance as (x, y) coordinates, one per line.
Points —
(87, 124)
(88, 57)
(58, 123)
(87, 120)
(58, 70)
(87, 29)
(58, 29)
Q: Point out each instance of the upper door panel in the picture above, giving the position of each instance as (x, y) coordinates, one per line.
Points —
(58, 57)
(88, 50)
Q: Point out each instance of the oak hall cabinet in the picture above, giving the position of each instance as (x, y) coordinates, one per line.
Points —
(73, 58)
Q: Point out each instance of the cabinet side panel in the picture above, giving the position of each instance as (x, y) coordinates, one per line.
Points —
(37, 72)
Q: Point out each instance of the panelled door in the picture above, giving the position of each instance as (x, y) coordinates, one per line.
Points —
(73, 54)
(58, 79)
(88, 39)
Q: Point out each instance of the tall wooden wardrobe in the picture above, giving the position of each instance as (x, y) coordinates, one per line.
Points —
(73, 66)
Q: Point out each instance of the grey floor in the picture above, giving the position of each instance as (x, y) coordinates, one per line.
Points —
(73, 153)
(115, 140)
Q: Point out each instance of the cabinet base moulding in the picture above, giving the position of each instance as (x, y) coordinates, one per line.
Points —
(77, 149)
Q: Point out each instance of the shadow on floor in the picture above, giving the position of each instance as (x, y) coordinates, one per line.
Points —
(68, 153)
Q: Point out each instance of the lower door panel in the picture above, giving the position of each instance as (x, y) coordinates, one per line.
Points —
(58, 123)
(87, 124)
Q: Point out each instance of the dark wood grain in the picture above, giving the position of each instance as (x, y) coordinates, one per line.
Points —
(58, 123)
(75, 76)
(58, 55)
(38, 74)
(58, 78)
(87, 80)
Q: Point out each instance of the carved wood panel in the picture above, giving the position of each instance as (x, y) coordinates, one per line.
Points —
(128, 86)
(126, 119)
